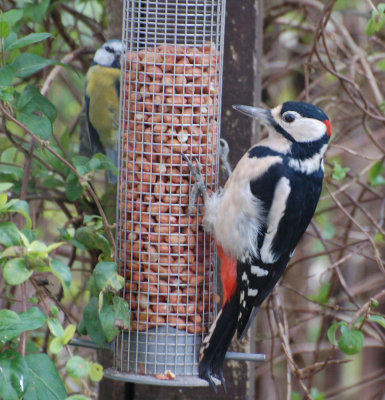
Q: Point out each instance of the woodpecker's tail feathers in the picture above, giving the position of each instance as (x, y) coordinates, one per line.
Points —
(216, 343)
(242, 329)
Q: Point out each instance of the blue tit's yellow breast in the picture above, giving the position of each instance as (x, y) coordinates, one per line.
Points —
(102, 88)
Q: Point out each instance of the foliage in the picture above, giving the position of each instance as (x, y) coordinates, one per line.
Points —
(50, 215)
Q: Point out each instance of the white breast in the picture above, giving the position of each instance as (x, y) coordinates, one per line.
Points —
(234, 214)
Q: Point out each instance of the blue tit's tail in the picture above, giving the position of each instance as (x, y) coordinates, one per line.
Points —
(113, 154)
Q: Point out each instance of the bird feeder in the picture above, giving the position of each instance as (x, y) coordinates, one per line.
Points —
(170, 104)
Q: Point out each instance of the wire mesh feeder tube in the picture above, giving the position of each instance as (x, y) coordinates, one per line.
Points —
(171, 97)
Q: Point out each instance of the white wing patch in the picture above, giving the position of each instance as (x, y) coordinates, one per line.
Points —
(252, 292)
(258, 271)
(277, 209)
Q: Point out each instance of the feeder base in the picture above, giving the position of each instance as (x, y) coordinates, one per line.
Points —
(179, 381)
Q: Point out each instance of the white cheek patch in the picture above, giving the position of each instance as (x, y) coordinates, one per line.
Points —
(103, 57)
(305, 129)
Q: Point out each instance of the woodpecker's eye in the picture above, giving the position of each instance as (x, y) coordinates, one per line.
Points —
(288, 117)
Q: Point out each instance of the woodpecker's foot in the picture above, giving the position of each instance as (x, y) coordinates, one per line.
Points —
(199, 185)
(224, 164)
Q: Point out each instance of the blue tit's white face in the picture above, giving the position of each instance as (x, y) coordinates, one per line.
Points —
(109, 54)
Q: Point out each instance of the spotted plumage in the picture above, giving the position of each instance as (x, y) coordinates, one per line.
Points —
(260, 215)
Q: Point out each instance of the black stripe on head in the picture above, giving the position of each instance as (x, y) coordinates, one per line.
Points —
(305, 109)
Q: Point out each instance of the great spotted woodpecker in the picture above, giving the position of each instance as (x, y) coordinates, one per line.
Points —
(260, 215)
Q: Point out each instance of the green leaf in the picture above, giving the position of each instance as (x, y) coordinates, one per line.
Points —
(339, 172)
(62, 272)
(4, 29)
(13, 375)
(73, 187)
(27, 40)
(33, 300)
(96, 372)
(40, 125)
(36, 11)
(6, 94)
(7, 73)
(55, 327)
(27, 64)
(9, 234)
(375, 174)
(22, 207)
(106, 277)
(379, 319)
(374, 303)
(333, 330)
(92, 323)
(54, 311)
(323, 294)
(376, 21)
(107, 319)
(381, 65)
(316, 395)
(378, 238)
(55, 345)
(351, 340)
(295, 396)
(122, 312)
(5, 186)
(371, 27)
(77, 367)
(44, 381)
(31, 100)
(381, 8)
(3, 200)
(12, 16)
(93, 240)
(69, 333)
(16, 271)
(77, 397)
(13, 324)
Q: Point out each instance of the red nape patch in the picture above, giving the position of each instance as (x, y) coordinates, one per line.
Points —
(328, 127)
(228, 274)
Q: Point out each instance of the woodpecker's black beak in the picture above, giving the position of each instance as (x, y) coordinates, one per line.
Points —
(263, 115)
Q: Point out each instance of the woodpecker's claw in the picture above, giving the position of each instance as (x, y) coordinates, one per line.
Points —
(199, 185)
(224, 158)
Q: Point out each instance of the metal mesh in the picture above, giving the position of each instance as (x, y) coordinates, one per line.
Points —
(171, 94)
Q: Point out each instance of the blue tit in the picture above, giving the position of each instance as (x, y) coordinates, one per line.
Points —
(102, 101)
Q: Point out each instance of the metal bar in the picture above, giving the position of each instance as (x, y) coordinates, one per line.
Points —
(230, 355)
(235, 355)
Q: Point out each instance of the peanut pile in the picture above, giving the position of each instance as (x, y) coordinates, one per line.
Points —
(172, 106)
